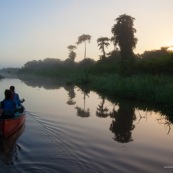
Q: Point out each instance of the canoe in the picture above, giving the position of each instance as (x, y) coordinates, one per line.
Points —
(11, 125)
(8, 146)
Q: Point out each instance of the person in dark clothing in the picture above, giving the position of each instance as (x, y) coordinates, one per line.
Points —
(7, 106)
(17, 100)
(15, 97)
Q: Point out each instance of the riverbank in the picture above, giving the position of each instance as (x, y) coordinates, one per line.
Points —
(157, 89)
(148, 88)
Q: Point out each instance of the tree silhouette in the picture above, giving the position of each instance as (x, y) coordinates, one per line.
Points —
(71, 94)
(123, 35)
(102, 43)
(72, 54)
(122, 125)
(71, 47)
(84, 38)
(83, 112)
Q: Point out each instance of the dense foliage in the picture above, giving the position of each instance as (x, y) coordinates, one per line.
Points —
(153, 62)
(123, 37)
(123, 32)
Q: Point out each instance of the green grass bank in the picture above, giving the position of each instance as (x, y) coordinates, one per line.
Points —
(147, 88)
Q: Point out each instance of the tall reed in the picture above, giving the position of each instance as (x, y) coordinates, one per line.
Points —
(158, 89)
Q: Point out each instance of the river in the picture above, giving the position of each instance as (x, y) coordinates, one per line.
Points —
(74, 130)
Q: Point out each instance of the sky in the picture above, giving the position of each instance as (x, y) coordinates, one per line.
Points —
(39, 29)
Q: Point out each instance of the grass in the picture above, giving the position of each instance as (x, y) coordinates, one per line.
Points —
(143, 87)
(147, 88)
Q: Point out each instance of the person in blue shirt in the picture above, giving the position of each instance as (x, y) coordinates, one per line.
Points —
(15, 96)
(17, 99)
(7, 106)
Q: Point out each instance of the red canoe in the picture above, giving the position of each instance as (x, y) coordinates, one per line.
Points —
(11, 125)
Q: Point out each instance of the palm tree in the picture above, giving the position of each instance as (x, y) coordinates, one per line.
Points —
(72, 54)
(83, 112)
(102, 43)
(84, 38)
(71, 47)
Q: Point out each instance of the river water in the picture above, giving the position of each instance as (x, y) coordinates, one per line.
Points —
(74, 130)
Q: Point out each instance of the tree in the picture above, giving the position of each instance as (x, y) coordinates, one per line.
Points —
(71, 93)
(84, 38)
(71, 47)
(122, 123)
(83, 112)
(102, 43)
(123, 35)
(72, 54)
(114, 43)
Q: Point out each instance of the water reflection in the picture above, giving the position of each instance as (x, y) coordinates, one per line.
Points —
(83, 112)
(39, 82)
(71, 94)
(102, 110)
(8, 147)
(123, 116)
(122, 123)
(164, 120)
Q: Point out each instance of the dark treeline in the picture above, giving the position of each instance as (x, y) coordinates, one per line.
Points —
(56, 67)
(150, 62)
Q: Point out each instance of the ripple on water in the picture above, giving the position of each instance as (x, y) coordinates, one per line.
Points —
(48, 147)
(55, 146)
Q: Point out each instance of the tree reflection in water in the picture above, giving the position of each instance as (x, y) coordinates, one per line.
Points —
(166, 122)
(101, 110)
(71, 94)
(83, 112)
(161, 119)
(122, 125)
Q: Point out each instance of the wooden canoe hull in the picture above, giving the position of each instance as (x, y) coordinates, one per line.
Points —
(11, 125)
